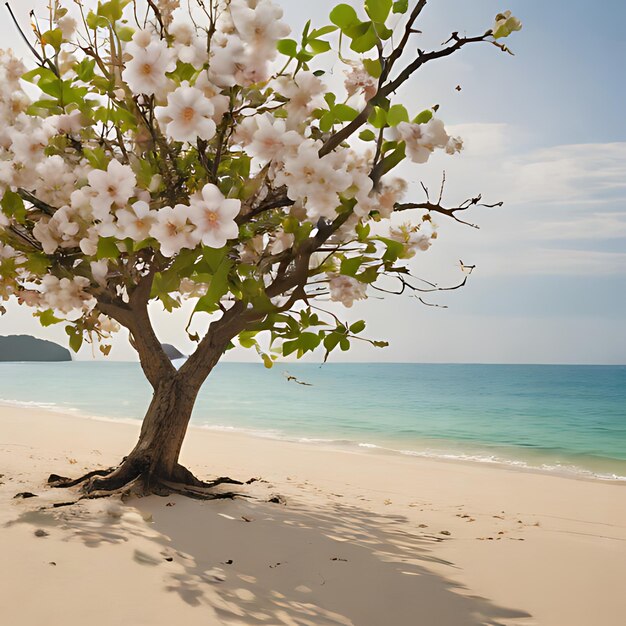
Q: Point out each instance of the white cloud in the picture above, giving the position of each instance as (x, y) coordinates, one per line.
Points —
(570, 174)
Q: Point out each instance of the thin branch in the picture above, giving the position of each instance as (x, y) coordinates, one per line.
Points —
(422, 58)
(42, 206)
(408, 31)
(450, 212)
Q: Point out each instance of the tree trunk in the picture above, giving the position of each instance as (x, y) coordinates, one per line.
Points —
(152, 466)
(154, 458)
(164, 428)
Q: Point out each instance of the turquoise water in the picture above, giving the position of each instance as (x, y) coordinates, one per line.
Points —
(549, 417)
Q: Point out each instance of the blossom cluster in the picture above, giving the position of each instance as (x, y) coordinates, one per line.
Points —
(165, 143)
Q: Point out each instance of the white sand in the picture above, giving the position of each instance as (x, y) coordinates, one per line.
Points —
(358, 542)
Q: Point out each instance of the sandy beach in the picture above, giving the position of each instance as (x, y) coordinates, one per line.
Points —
(356, 538)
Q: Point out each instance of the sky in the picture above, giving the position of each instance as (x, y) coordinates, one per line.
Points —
(544, 132)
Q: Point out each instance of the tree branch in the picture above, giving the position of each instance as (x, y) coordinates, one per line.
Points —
(408, 31)
(449, 212)
(134, 317)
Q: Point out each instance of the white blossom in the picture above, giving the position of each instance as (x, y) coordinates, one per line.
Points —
(414, 237)
(304, 95)
(99, 271)
(187, 116)
(314, 179)
(68, 123)
(28, 143)
(145, 72)
(167, 8)
(173, 230)
(282, 241)
(66, 295)
(269, 139)
(505, 24)
(113, 186)
(346, 289)
(359, 80)
(135, 221)
(56, 181)
(227, 53)
(67, 24)
(188, 46)
(259, 25)
(422, 139)
(214, 217)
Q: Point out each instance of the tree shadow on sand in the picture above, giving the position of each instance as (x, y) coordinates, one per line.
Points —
(249, 562)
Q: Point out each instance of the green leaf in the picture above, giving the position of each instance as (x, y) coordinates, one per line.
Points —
(344, 16)
(95, 21)
(304, 56)
(309, 341)
(289, 347)
(288, 47)
(378, 10)
(395, 157)
(365, 42)
(37, 263)
(85, 70)
(367, 135)
(125, 33)
(373, 67)
(37, 74)
(357, 327)
(362, 231)
(344, 113)
(349, 267)
(369, 275)
(53, 38)
(47, 317)
(423, 117)
(394, 251)
(218, 287)
(400, 6)
(183, 71)
(247, 339)
(326, 121)
(112, 10)
(76, 337)
(13, 206)
(378, 117)
(357, 29)
(107, 248)
(331, 340)
(318, 46)
(97, 158)
(323, 31)
(214, 257)
(396, 114)
(382, 31)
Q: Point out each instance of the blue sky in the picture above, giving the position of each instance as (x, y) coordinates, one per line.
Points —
(544, 132)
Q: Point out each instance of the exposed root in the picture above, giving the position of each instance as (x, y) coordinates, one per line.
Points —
(132, 478)
(225, 480)
(200, 493)
(58, 482)
(123, 477)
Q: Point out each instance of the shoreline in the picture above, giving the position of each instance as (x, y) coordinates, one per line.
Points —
(363, 539)
(473, 453)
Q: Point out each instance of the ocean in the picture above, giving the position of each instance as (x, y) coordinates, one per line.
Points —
(568, 419)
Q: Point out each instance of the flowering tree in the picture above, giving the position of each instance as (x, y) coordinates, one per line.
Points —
(162, 153)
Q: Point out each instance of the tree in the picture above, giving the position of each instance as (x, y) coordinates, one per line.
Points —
(170, 154)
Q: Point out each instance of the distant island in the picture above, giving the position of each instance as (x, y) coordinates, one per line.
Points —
(27, 348)
(172, 352)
